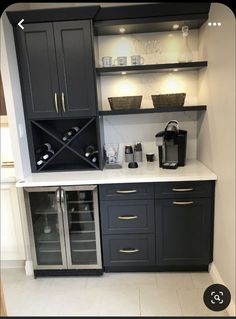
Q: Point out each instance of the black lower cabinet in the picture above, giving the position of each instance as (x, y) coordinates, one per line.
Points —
(168, 230)
(183, 231)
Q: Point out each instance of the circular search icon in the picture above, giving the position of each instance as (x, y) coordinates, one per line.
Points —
(217, 297)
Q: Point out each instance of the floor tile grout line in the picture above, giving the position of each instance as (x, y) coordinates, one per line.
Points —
(139, 298)
(179, 301)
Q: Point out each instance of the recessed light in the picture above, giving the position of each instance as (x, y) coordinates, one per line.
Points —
(175, 70)
(219, 24)
(209, 23)
(123, 72)
(214, 24)
(122, 30)
(175, 26)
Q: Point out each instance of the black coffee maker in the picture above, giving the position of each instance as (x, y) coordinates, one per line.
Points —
(172, 144)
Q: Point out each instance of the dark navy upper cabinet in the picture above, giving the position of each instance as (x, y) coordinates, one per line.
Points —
(38, 70)
(57, 70)
(75, 68)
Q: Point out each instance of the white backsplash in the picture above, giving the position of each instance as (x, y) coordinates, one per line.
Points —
(129, 129)
(169, 43)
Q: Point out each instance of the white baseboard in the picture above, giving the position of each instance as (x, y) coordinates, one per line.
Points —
(216, 277)
(29, 270)
(12, 264)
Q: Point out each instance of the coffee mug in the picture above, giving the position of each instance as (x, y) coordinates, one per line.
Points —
(121, 61)
(106, 61)
(136, 60)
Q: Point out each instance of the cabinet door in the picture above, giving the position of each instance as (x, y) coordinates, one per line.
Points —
(81, 224)
(38, 70)
(12, 242)
(46, 227)
(184, 230)
(75, 68)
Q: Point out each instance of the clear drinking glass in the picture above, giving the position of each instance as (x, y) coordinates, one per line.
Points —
(112, 151)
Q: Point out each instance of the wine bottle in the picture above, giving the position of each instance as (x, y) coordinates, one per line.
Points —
(70, 133)
(40, 162)
(93, 157)
(48, 155)
(43, 148)
(89, 150)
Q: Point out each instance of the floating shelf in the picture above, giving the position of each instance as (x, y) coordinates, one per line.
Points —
(149, 68)
(155, 110)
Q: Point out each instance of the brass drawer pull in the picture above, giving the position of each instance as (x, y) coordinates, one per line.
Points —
(182, 189)
(55, 100)
(130, 191)
(63, 101)
(127, 217)
(183, 203)
(129, 250)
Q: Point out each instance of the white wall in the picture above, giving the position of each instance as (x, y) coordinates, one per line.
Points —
(13, 98)
(6, 147)
(216, 132)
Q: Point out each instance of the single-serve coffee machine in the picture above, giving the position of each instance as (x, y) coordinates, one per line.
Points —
(172, 144)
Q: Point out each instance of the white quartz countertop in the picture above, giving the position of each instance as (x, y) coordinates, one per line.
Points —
(8, 175)
(146, 172)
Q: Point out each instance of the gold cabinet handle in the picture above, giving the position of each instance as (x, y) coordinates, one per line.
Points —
(128, 250)
(182, 189)
(127, 217)
(63, 101)
(127, 191)
(183, 203)
(55, 100)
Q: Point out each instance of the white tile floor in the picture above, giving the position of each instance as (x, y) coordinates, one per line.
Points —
(113, 294)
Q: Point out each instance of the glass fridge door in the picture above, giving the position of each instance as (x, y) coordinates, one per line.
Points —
(46, 228)
(81, 220)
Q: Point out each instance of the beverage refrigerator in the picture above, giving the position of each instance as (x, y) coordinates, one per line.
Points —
(64, 229)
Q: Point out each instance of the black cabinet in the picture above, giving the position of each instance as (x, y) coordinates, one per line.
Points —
(57, 69)
(183, 231)
(70, 154)
(56, 66)
(157, 226)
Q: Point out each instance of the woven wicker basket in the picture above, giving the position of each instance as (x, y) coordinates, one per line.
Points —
(163, 100)
(125, 102)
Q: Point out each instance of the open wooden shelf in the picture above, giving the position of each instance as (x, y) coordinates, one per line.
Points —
(149, 68)
(155, 110)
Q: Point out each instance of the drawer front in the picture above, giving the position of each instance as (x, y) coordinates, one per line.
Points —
(128, 250)
(126, 191)
(184, 189)
(128, 216)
